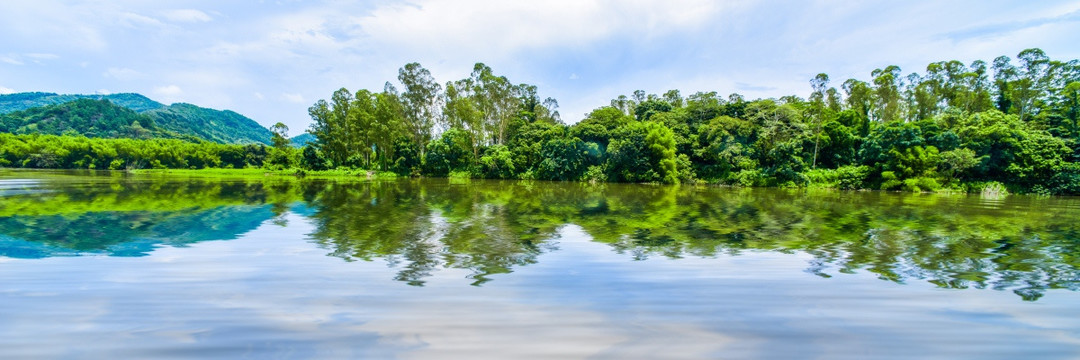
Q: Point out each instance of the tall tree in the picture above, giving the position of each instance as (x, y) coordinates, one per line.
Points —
(280, 139)
(421, 99)
(498, 100)
(387, 125)
(887, 106)
(818, 109)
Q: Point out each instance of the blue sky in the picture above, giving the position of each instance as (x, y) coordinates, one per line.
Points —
(271, 60)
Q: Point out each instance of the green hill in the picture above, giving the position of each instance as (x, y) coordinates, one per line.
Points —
(49, 113)
(92, 118)
(226, 126)
(301, 140)
(21, 101)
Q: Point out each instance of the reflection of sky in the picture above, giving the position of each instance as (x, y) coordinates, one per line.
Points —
(272, 293)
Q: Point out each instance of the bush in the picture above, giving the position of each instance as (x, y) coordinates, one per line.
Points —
(993, 190)
(749, 178)
(921, 184)
(595, 173)
(889, 181)
(852, 177)
(821, 178)
(497, 163)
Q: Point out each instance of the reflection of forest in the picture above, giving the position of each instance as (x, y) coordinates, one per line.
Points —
(124, 217)
(1022, 244)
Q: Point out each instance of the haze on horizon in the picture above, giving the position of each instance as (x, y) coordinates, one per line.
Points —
(271, 60)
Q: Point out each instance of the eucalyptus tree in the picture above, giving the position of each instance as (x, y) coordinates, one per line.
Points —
(387, 124)
(818, 109)
(533, 109)
(674, 98)
(422, 97)
(1034, 74)
(362, 112)
(280, 138)
(887, 95)
(327, 130)
(462, 111)
(498, 101)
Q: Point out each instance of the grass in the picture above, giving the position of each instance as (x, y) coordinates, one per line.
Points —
(259, 172)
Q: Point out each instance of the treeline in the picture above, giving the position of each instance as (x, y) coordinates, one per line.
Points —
(955, 125)
(79, 152)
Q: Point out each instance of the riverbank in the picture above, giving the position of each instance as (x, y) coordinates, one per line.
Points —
(257, 172)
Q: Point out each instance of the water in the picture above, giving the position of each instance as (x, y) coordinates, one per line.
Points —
(114, 266)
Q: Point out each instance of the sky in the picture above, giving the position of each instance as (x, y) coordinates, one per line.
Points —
(271, 60)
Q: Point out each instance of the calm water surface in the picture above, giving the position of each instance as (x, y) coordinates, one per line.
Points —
(113, 266)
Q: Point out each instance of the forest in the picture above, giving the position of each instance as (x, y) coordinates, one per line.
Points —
(1005, 125)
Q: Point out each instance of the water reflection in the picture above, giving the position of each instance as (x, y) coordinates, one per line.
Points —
(1021, 244)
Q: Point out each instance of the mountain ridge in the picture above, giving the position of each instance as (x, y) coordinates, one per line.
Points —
(180, 119)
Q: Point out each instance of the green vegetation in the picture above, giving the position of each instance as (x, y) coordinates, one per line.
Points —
(212, 125)
(22, 101)
(93, 118)
(76, 152)
(301, 140)
(124, 116)
(1025, 244)
(952, 128)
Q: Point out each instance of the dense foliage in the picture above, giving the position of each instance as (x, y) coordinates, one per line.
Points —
(94, 118)
(953, 126)
(22, 101)
(77, 152)
(89, 115)
(222, 126)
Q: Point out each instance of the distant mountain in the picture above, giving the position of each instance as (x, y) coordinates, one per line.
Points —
(176, 120)
(302, 139)
(92, 118)
(214, 125)
(21, 101)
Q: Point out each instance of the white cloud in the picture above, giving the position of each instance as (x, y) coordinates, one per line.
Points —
(293, 98)
(122, 74)
(10, 60)
(5, 90)
(169, 93)
(493, 27)
(259, 95)
(186, 15)
(42, 56)
(103, 92)
(134, 20)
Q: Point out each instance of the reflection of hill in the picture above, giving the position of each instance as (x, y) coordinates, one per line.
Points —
(121, 216)
(134, 233)
(1023, 244)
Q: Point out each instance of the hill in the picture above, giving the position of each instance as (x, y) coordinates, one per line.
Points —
(221, 126)
(21, 101)
(301, 140)
(176, 120)
(92, 118)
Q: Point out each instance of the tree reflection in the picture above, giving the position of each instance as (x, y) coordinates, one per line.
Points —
(122, 216)
(1025, 245)
(1022, 244)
